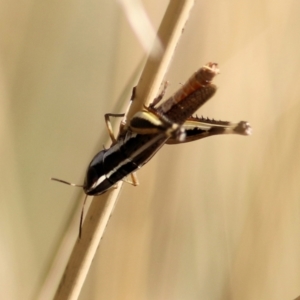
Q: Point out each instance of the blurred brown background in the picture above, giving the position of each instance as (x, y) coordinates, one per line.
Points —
(214, 219)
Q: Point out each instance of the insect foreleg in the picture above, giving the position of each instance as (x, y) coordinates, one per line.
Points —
(134, 180)
(109, 127)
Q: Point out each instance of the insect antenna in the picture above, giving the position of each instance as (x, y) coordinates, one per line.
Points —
(66, 182)
(82, 209)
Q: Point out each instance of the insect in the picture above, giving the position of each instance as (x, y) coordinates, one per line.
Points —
(171, 122)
